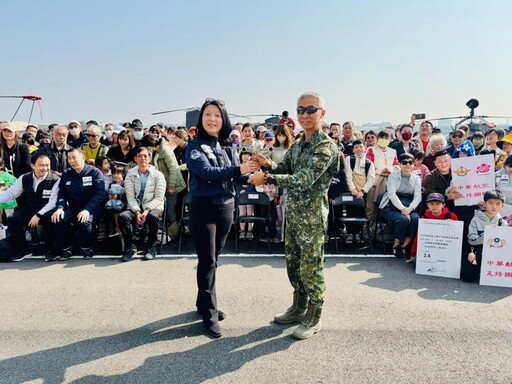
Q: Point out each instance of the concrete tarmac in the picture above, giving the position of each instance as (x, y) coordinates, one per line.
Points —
(102, 321)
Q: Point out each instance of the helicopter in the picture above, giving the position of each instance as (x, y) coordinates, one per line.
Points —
(474, 122)
(192, 115)
(34, 99)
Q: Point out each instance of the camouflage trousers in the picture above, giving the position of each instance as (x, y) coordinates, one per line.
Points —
(304, 249)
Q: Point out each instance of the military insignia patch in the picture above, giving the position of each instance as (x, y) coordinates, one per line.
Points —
(195, 154)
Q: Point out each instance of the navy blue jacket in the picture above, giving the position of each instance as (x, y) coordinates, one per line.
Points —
(211, 171)
(84, 190)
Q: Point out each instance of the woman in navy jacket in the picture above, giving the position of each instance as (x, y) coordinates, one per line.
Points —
(211, 207)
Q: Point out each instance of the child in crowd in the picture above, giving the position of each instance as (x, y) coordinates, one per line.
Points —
(6, 180)
(472, 260)
(103, 164)
(419, 168)
(436, 211)
(245, 210)
(116, 197)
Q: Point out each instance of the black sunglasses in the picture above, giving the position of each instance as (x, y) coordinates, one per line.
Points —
(457, 136)
(89, 135)
(407, 162)
(309, 110)
(209, 100)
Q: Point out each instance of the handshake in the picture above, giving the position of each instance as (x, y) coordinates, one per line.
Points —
(257, 177)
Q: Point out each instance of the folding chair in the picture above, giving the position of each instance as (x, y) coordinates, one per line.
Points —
(257, 199)
(163, 227)
(343, 202)
(381, 224)
(184, 218)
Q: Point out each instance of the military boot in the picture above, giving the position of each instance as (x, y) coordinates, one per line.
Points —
(311, 323)
(173, 230)
(294, 314)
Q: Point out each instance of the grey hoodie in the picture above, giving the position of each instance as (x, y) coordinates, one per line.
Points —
(478, 224)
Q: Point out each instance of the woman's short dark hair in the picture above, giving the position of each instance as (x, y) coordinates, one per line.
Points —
(226, 123)
(182, 134)
(383, 135)
(28, 138)
(405, 156)
(357, 142)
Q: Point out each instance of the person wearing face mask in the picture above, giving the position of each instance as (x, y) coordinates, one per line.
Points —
(234, 138)
(405, 144)
(478, 141)
(76, 136)
(108, 135)
(137, 132)
(385, 161)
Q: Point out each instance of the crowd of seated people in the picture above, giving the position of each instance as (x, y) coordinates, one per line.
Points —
(69, 177)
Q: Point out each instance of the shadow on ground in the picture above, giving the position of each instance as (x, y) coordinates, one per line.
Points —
(198, 364)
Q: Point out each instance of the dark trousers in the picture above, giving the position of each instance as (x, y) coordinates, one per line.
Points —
(272, 225)
(16, 227)
(470, 272)
(209, 226)
(402, 226)
(65, 235)
(126, 219)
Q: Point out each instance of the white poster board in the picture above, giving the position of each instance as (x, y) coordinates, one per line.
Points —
(439, 248)
(473, 176)
(497, 257)
(506, 214)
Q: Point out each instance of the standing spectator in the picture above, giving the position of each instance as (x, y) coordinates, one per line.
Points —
(15, 155)
(76, 136)
(425, 133)
(334, 130)
(286, 120)
(348, 137)
(108, 135)
(457, 137)
(31, 129)
(167, 164)
(405, 144)
(370, 139)
(386, 162)
(505, 144)
(492, 136)
(58, 150)
(478, 140)
(504, 180)
(29, 141)
(145, 193)
(80, 201)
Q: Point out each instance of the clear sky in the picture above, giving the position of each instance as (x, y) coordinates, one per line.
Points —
(374, 61)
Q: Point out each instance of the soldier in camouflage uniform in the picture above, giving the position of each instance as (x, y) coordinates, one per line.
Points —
(306, 171)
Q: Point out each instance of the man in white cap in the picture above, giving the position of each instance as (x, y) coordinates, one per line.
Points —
(76, 136)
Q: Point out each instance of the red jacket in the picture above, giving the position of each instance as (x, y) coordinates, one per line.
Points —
(445, 215)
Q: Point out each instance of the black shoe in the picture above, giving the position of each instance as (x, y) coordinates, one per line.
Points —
(221, 315)
(129, 253)
(49, 256)
(398, 252)
(21, 256)
(65, 255)
(213, 329)
(88, 254)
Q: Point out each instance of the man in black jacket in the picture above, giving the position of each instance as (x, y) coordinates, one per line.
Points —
(40, 189)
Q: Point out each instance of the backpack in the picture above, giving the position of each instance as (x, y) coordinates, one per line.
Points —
(366, 165)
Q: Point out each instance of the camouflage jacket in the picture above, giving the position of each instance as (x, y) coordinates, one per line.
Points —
(306, 171)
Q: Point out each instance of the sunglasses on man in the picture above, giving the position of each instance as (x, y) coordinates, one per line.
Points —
(309, 110)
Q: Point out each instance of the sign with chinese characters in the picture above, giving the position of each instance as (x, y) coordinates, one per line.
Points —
(473, 176)
(439, 248)
(497, 257)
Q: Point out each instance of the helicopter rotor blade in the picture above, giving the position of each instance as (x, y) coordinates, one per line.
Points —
(175, 110)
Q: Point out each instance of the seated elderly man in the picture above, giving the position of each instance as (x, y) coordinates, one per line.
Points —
(81, 198)
(145, 192)
(40, 188)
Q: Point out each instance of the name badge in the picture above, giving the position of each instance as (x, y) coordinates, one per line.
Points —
(504, 179)
(87, 181)
(47, 193)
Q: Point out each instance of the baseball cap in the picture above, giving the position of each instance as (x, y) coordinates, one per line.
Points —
(269, 135)
(435, 197)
